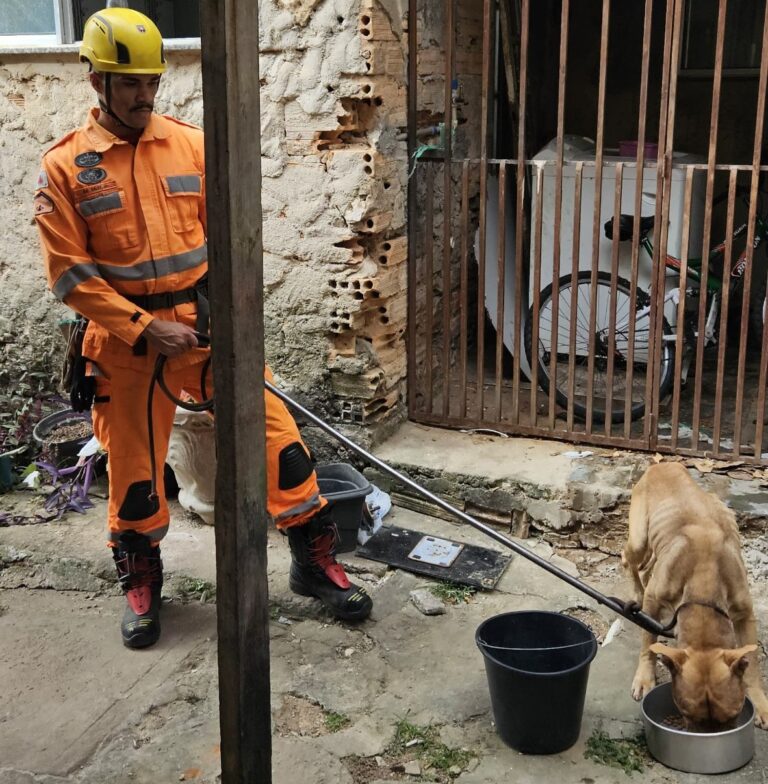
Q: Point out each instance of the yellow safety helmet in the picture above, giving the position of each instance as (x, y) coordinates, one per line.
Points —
(121, 40)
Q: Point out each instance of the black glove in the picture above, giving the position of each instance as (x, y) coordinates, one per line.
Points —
(83, 389)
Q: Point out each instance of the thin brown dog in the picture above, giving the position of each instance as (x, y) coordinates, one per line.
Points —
(684, 556)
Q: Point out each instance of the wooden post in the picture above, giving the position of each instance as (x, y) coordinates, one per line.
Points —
(230, 40)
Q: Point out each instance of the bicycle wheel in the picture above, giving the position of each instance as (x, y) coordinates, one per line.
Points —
(597, 342)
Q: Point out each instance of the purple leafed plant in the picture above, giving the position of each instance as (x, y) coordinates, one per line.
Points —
(70, 486)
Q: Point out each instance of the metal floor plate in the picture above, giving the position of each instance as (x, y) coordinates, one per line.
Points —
(438, 552)
(471, 565)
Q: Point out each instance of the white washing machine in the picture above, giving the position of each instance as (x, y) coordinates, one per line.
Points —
(577, 149)
(580, 149)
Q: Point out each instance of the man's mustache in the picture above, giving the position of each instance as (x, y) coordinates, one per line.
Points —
(141, 106)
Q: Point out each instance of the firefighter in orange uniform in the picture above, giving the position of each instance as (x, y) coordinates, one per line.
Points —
(120, 205)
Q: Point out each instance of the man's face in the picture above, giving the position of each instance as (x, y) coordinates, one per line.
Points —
(132, 96)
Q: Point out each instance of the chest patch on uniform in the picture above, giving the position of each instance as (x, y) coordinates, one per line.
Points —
(88, 159)
(42, 180)
(91, 176)
(43, 205)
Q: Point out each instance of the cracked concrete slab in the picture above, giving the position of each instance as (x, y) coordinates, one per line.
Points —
(546, 485)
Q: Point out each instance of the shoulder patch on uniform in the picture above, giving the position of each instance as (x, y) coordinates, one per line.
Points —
(42, 180)
(43, 205)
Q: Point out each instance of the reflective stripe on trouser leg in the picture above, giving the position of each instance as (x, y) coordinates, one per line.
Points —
(121, 427)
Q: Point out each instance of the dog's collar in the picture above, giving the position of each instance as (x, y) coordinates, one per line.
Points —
(712, 606)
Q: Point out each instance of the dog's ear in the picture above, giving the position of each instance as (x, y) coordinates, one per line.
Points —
(736, 658)
(673, 658)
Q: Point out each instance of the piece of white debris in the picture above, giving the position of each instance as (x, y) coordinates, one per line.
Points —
(380, 761)
(572, 454)
(414, 742)
(454, 770)
(412, 768)
(610, 635)
(285, 621)
(426, 602)
(348, 652)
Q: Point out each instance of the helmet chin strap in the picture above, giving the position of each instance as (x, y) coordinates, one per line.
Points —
(106, 107)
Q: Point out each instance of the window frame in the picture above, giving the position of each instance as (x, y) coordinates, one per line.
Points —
(64, 35)
(686, 71)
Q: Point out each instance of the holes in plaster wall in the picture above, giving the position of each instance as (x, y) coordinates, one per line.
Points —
(367, 88)
(387, 185)
(368, 170)
(367, 157)
(383, 259)
(365, 19)
(378, 100)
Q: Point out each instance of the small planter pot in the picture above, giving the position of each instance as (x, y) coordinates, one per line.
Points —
(66, 449)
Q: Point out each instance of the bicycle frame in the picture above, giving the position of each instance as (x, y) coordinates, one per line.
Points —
(714, 282)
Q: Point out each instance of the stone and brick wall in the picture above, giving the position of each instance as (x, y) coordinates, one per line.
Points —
(333, 76)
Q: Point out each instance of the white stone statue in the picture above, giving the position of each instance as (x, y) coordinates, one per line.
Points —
(192, 456)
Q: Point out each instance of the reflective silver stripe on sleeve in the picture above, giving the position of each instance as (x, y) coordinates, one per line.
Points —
(312, 503)
(157, 268)
(73, 277)
(100, 204)
(184, 183)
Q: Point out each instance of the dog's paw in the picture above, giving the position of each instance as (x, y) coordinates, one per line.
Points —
(761, 717)
(642, 684)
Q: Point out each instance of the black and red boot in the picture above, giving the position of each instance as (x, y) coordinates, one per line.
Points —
(315, 571)
(140, 573)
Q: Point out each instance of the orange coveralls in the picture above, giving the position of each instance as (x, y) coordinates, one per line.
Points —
(118, 220)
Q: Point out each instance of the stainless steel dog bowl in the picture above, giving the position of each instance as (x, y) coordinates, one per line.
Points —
(696, 752)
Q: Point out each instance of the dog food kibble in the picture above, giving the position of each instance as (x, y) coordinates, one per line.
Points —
(675, 721)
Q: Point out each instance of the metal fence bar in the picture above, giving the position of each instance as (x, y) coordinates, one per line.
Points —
(724, 308)
(412, 211)
(450, 67)
(659, 246)
(464, 287)
(555, 336)
(502, 252)
(599, 139)
(486, 87)
(539, 195)
(520, 223)
(609, 375)
(680, 334)
(429, 283)
(754, 185)
(703, 296)
(574, 304)
(640, 175)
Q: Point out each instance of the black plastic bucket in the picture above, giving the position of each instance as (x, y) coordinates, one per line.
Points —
(537, 665)
(345, 489)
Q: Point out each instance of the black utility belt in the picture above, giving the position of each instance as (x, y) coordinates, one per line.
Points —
(150, 302)
(168, 299)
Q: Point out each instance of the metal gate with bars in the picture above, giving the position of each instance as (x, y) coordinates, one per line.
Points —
(564, 289)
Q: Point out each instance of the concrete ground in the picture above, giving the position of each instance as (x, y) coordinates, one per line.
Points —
(78, 707)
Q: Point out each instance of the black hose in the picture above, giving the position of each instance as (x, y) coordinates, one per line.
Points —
(158, 379)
